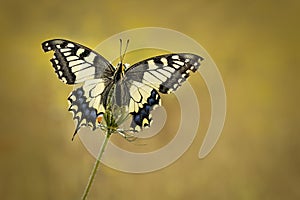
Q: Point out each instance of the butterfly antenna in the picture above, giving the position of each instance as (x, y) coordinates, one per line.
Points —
(127, 42)
(122, 56)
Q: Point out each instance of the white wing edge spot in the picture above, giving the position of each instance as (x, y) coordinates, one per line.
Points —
(70, 45)
(60, 73)
(64, 79)
(164, 61)
(79, 51)
(184, 75)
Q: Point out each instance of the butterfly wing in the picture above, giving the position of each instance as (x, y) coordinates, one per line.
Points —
(87, 103)
(164, 73)
(138, 99)
(75, 63)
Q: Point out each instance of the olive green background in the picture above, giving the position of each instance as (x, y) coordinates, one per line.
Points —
(256, 47)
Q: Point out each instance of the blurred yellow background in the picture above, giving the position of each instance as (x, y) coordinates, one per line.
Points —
(255, 44)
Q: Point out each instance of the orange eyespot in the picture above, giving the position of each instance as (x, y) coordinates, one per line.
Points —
(100, 118)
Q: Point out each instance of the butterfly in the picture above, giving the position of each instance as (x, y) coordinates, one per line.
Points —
(133, 88)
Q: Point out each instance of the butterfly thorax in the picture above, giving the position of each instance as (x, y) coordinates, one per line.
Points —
(119, 74)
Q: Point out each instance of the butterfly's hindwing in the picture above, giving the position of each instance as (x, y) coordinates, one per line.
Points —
(141, 117)
(137, 98)
(74, 63)
(83, 112)
(97, 91)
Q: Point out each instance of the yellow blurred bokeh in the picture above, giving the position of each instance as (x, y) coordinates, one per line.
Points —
(255, 44)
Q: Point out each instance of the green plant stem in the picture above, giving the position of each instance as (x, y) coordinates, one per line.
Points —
(96, 165)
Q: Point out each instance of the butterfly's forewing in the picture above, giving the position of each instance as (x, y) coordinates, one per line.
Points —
(75, 63)
(164, 73)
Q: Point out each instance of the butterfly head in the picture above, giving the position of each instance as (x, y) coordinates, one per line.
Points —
(123, 66)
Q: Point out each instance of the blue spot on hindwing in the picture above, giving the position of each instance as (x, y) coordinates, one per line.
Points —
(151, 101)
(86, 112)
(144, 114)
(83, 106)
(153, 93)
(93, 114)
(80, 100)
(137, 119)
(147, 108)
(79, 92)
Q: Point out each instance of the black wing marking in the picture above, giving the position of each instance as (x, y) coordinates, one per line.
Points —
(165, 72)
(75, 63)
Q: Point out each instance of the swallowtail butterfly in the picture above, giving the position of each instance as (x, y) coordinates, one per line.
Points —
(135, 88)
